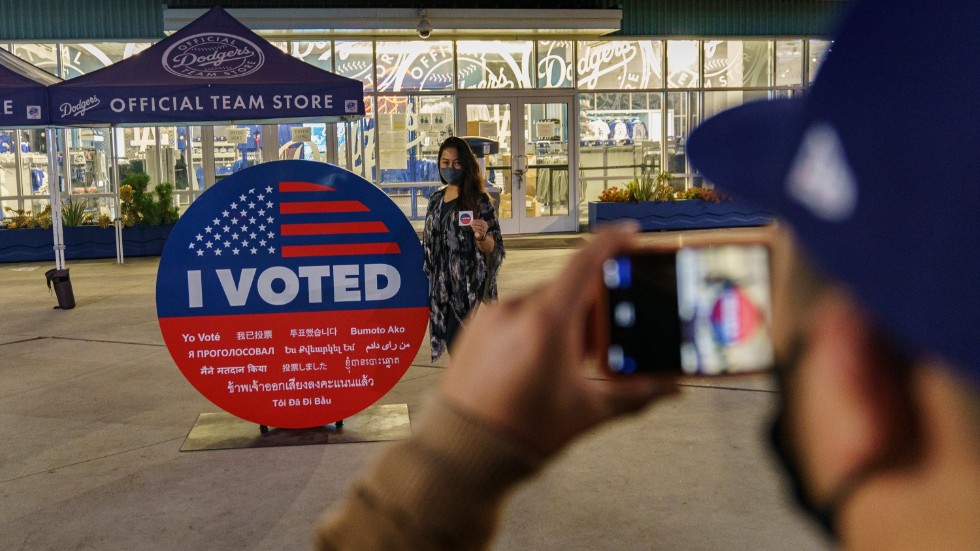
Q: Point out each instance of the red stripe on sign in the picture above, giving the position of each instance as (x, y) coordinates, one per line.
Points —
(308, 207)
(334, 228)
(287, 187)
(352, 249)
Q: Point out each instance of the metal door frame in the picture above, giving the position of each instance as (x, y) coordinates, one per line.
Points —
(518, 99)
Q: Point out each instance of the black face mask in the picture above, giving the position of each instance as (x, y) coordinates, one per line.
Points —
(824, 515)
(827, 512)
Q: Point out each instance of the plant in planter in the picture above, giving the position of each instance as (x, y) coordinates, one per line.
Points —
(703, 194)
(651, 202)
(614, 195)
(73, 213)
(140, 206)
(25, 219)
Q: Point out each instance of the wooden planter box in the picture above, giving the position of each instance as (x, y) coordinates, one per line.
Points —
(679, 215)
(81, 242)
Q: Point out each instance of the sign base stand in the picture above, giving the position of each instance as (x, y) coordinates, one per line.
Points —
(224, 431)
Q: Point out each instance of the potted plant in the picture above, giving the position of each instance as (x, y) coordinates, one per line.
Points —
(148, 216)
(655, 205)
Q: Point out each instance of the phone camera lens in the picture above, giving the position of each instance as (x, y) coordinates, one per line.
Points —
(625, 314)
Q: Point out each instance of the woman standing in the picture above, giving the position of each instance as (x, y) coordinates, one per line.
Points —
(461, 260)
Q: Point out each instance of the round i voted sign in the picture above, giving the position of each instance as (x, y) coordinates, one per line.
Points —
(292, 294)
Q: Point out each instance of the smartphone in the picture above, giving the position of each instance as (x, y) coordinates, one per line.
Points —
(694, 311)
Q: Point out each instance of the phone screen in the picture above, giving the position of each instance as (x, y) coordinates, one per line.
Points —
(699, 311)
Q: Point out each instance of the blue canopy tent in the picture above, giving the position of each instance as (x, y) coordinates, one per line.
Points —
(214, 70)
(24, 104)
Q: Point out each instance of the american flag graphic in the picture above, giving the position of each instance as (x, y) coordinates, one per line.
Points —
(277, 221)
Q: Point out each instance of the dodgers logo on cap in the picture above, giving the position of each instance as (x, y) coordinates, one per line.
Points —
(292, 294)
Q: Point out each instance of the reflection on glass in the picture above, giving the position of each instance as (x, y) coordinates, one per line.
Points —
(411, 66)
(494, 64)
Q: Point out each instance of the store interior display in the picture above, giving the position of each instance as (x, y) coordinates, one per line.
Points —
(616, 146)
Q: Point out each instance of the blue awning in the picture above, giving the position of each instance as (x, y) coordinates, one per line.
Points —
(213, 70)
(23, 93)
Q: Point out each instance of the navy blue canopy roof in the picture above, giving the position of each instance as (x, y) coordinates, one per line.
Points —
(215, 69)
(23, 93)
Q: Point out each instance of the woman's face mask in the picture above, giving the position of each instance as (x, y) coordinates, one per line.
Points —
(450, 168)
(451, 175)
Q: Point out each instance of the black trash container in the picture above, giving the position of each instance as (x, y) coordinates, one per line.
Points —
(62, 288)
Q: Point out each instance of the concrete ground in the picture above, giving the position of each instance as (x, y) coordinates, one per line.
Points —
(93, 413)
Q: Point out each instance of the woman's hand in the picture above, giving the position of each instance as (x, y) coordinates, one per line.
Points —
(480, 229)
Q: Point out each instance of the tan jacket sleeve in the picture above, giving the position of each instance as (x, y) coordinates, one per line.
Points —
(441, 489)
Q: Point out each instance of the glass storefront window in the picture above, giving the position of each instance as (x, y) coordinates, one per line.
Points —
(716, 102)
(43, 56)
(494, 64)
(789, 63)
(683, 60)
(410, 130)
(818, 50)
(682, 117)
(316, 53)
(737, 63)
(362, 140)
(620, 140)
(556, 64)
(299, 141)
(415, 66)
(356, 60)
(89, 161)
(620, 65)
(80, 59)
(23, 164)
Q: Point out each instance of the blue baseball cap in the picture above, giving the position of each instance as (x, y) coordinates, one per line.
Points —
(877, 168)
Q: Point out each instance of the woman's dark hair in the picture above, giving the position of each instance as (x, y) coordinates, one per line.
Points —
(472, 186)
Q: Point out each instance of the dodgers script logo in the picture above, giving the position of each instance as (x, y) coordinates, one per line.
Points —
(213, 56)
(292, 294)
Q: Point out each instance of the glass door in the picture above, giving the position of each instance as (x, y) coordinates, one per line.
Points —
(529, 176)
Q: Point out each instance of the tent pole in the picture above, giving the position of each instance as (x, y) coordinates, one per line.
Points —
(117, 222)
(54, 187)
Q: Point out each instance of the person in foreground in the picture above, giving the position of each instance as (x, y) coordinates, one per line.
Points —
(875, 314)
(462, 242)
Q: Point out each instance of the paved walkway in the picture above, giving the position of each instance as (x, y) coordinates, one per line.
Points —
(93, 413)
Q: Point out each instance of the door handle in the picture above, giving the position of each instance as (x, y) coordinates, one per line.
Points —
(520, 169)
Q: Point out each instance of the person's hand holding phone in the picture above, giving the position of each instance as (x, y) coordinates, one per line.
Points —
(521, 366)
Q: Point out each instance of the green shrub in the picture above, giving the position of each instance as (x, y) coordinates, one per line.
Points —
(140, 206)
(73, 212)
